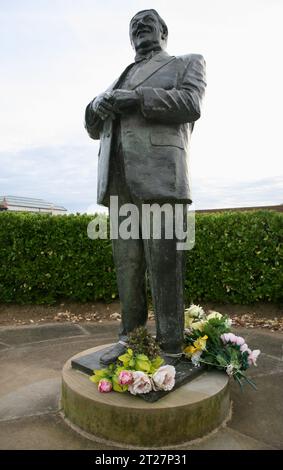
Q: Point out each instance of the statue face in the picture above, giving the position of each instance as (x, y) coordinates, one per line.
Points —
(145, 30)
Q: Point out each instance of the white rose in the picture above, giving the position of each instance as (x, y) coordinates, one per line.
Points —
(141, 383)
(214, 315)
(164, 378)
(195, 311)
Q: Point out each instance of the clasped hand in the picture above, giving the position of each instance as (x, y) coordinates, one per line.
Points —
(118, 101)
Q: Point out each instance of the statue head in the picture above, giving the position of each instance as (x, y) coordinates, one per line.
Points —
(148, 30)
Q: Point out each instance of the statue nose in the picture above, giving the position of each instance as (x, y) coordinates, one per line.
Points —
(140, 23)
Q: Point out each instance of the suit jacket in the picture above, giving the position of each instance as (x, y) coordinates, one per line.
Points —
(155, 138)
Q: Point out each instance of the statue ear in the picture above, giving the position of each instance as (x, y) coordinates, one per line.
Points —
(163, 34)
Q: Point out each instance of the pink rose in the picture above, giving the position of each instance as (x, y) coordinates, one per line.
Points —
(125, 377)
(228, 338)
(233, 338)
(224, 338)
(253, 355)
(104, 386)
(239, 340)
(141, 383)
(244, 348)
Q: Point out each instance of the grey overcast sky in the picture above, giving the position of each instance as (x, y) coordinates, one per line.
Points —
(56, 55)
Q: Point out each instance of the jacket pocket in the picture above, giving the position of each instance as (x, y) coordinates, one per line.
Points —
(166, 140)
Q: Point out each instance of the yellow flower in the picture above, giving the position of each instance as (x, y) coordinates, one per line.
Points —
(190, 350)
(200, 343)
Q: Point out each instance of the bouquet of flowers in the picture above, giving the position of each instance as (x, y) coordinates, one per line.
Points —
(139, 370)
(209, 340)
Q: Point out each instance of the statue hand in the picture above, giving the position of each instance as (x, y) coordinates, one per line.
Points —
(103, 106)
(124, 100)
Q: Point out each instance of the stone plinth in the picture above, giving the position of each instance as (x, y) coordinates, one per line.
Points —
(188, 413)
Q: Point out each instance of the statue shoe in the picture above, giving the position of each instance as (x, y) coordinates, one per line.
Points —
(113, 353)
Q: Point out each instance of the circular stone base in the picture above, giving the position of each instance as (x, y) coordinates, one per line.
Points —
(188, 413)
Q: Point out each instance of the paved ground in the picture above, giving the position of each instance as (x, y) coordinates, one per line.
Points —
(30, 377)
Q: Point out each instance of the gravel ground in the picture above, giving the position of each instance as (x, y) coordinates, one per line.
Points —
(260, 315)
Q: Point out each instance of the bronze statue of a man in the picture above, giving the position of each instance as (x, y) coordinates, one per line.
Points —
(144, 121)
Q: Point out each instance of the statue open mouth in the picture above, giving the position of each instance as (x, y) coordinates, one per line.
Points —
(142, 31)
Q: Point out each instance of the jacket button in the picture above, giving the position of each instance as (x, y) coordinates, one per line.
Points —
(108, 135)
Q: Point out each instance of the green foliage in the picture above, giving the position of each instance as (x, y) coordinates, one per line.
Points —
(101, 374)
(236, 258)
(141, 342)
(45, 258)
(136, 361)
(214, 328)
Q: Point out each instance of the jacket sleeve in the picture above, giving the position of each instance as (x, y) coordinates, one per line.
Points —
(177, 105)
(93, 123)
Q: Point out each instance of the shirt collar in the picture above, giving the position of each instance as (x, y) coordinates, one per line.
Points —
(140, 57)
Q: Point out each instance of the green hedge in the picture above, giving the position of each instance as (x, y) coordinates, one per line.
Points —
(45, 258)
(236, 258)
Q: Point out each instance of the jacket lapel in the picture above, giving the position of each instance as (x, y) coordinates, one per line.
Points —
(117, 82)
(148, 69)
(151, 67)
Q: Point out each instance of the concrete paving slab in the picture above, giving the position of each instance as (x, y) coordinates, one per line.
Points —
(50, 432)
(228, 439)
(27, 334)
(30, 400)
(110, 328)
(271, 345)
(31, 363)
(259, 414)
(46, 432)
(267, 365)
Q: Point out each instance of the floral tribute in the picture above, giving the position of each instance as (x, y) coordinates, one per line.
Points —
(209, 341)
(140, 370)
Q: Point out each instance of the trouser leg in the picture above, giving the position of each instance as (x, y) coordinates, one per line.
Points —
(130, 271)
(129, 258)
(166, 267)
